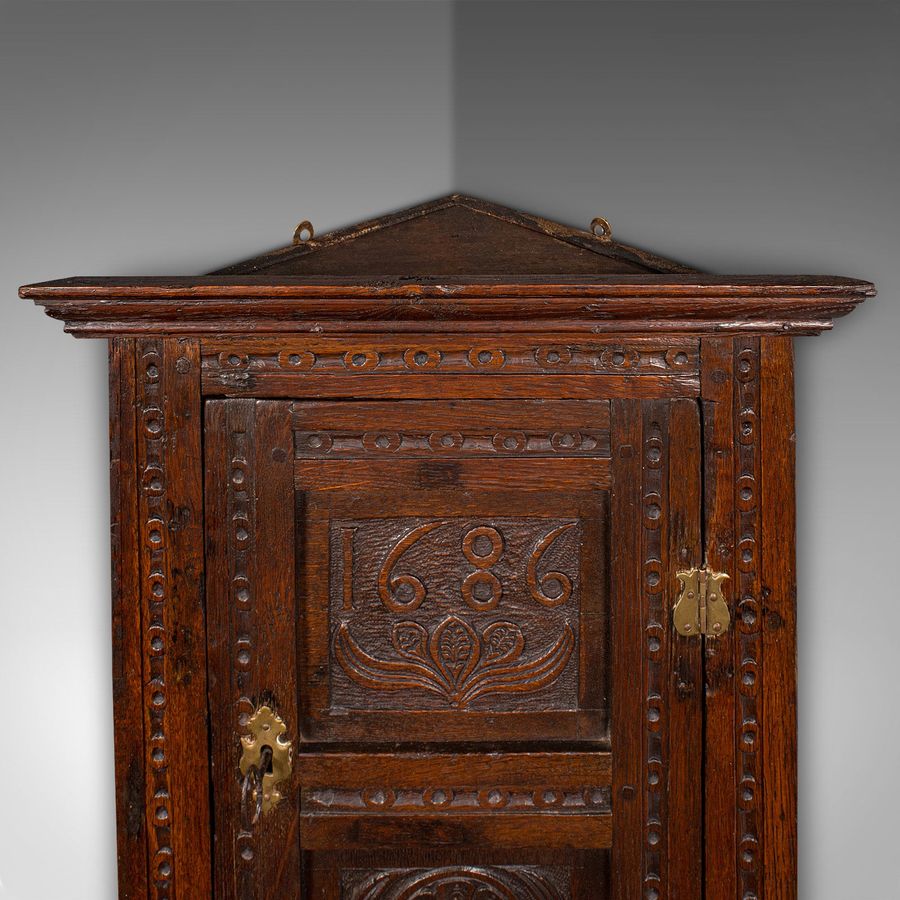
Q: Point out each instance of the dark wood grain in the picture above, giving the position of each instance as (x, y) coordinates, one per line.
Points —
(458, 387)
(382, 473)
(523, 874)
(252, 612)
(456, 234)
(638, 303)
(486, 417)
(127, 632)
(514, 830)
(482, 243)
(564, 769)
(485, 354)
(423, 540)
(655, 513)
(221, 606)
(170, 465)
(542, 554)
(749, 662)
(720, 803)
(778, 687)
(627, 643)
(684, 665)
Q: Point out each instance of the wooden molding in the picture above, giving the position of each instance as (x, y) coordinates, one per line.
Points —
(107, 307)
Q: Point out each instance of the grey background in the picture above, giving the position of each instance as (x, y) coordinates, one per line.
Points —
(154, 138)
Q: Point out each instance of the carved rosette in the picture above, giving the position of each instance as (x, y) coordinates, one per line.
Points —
(459, 883)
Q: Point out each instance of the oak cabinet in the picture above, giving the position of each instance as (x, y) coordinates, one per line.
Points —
(453, 558)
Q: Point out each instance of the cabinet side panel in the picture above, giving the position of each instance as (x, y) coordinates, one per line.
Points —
(126, 625)
(720, 811)
(779, 591)
(174, 640)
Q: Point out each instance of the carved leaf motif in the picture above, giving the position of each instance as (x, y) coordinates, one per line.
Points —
(410, 639)
(503, 642)
(454, 648)
(460, 665)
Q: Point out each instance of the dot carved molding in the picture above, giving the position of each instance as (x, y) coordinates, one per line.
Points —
(474, 442)
(458, 799)
(233, 364)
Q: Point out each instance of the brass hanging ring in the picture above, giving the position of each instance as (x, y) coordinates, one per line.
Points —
(305, 227)
(601, 228)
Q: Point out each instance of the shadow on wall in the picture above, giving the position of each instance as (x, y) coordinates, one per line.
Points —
(743, 137)
(665, 117)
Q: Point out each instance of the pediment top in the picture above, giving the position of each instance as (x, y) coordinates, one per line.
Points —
(453, 264)
(457, 236)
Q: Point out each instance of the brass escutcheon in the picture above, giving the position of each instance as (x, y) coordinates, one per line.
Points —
(266, 729)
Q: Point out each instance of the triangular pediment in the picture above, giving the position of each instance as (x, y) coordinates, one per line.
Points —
(457, 237)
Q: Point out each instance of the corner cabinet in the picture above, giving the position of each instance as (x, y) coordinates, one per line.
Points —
(453, 558)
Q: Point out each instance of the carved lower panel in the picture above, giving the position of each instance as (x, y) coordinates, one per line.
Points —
(456, 800)
(655, 615)
(455, 613)
(748, 638)
(459, 883)
(153, 434)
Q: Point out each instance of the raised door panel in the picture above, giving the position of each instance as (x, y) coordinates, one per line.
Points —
(459, 611)
(458, 614)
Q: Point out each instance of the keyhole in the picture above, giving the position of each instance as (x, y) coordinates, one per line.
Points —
(265, 760)
(265, 768)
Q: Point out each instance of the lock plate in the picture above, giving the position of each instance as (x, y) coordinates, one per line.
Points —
(701, 607)
(265, 728)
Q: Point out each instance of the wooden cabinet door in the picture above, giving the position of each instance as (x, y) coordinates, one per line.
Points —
(461, 612)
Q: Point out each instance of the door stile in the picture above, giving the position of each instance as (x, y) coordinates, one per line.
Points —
(251, 547)
(720, 826)
(750, 707)
(748, 660)
(625, 597)
(657, 744)
(685, 664)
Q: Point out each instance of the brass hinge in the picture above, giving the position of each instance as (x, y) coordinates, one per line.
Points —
(700, 607)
